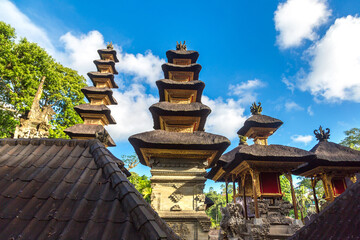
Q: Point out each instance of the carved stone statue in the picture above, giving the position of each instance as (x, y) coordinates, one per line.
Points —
(273, 221)
(181, 46)
(35, 123)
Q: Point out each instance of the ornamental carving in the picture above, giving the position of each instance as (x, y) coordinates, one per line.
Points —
(256, 109)
(180, 229)
(235, 226)
(205, 225)
(35, 123)
(321, 135)
(175, 208)
(181, 46)
(176, 197)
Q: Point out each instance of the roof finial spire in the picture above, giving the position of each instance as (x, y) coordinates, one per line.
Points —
(181, 46)
(321, 135)
(256, 109)
(110, 45)
(243, 140)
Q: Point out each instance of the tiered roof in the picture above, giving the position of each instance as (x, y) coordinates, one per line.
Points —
(179, 117)
(96, 114)
(274, 157)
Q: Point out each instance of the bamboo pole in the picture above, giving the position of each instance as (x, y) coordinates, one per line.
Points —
(313, 185)
(244, 196)
(255, 195)
(289, 177)
(234, 188)
(226, 191)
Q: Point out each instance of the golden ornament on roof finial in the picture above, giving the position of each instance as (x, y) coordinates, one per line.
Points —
(321, 135)
(110, 45)
(181, 46)
(243, 140)
(256, 109)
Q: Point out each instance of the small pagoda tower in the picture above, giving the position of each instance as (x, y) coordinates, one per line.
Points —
(96, 114)
(332, 165)
(256, 169)
(178, 150)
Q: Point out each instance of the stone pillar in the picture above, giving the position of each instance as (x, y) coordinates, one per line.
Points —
(177, 195)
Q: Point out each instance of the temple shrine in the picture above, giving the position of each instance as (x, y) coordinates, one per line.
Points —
(96, 114)
(256, 169)
(333, 163)
(179, 150)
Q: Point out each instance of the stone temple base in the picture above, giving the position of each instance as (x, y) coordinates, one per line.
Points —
(273, 222)
(177, 196)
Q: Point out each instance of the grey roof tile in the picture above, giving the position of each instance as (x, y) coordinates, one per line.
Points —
(70, 189)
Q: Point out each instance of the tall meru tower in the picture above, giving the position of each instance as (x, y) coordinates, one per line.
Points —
(178, 150)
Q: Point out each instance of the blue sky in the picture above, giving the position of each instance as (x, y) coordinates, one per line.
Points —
(300, 58)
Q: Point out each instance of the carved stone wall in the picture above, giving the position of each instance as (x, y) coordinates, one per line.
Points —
(272, 224)
(177, 195)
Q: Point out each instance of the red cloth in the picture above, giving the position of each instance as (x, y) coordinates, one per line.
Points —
(339, 185)
(269, 182)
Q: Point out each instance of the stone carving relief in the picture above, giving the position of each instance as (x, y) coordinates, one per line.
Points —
(205, 225)
(273, 213)
(35, 123)
(176, 197)
(175, 208)
(181, 229)
(200, 202)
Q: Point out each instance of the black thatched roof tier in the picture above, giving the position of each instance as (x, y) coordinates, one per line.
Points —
(211, 174)
(97, 109)
(88, 131)
(103, 91)
(331, 154)
(339, 220)
(160, 139)
(171, 84)
(104, 76)
(278, 153)
(171, 54)
(261, 121)
(71, 189)
(112, 52)
(105, 62)
(195, 68)
(173, 109)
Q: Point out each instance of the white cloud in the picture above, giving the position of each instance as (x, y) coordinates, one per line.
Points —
(81, 50)
(289, 84)
(293, 106)
(246, 90)
(305, 139)
(132, 112)
(297, 20)
(226, 118)
(24, 26)
(310, 111)
(335, 63)
(143, 67)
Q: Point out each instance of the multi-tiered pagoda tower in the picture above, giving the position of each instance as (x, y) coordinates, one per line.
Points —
(96, 114)
(178, 150)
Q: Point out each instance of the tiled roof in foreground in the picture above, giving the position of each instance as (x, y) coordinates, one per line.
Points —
(70, 189)
(339, 220)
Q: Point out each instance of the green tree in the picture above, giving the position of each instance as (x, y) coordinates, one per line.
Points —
(142, 184)
(219, 199)
(352, 138)
(22, 65)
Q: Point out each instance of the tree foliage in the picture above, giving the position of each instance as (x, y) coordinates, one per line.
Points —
(219, 200)
(142, 184)
(22, 65)
(352, 138)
